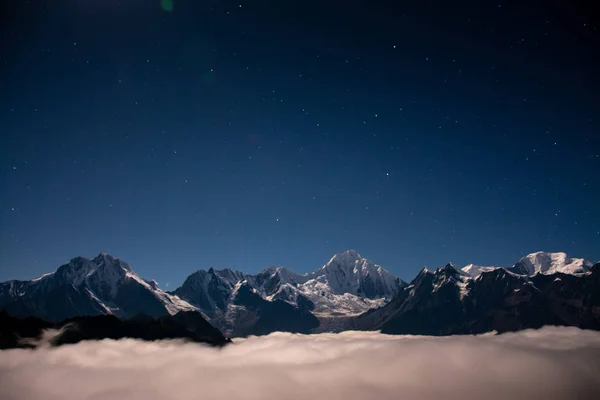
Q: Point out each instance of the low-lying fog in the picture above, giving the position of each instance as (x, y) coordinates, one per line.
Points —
(552, 363)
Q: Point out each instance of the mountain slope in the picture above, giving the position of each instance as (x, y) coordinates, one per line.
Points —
(347, 285)
(550, 263)
(447, 302)
(250, 314)
(103, 285)
(209, 290)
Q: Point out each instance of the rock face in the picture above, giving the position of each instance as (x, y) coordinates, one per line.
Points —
(210, 290)
(30, 332)
(250, 314)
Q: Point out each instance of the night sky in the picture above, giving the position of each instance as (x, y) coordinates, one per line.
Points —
(194, 134)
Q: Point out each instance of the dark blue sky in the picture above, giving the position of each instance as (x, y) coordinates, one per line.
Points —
(248, 134)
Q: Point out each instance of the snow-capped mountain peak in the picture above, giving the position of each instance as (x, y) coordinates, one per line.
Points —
(105, 259)
(476, 270)
(104, 266)
(548, 263)
(347, 258)
(270, 277)
(229, 275)
(348, 272)
(347, 285)
(83, 286)
(451, 268)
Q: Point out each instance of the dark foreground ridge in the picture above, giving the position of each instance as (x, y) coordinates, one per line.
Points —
(29, 332)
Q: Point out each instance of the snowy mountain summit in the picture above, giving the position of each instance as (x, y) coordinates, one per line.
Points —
(539, 263)
(83, 286)
(347, 285)
(476, 270)
(550, 263)
(348, 272)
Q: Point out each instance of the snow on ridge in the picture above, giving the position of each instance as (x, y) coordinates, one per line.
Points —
(172, 303)
(100, 279)
(549, 263)
(100, 302)
(475, 270)
(539, 262)
(42, 277)
(346, 272)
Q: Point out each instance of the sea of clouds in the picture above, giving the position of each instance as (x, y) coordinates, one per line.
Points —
(551, 363)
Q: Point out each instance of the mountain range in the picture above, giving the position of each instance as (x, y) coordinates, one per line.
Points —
(348, 292)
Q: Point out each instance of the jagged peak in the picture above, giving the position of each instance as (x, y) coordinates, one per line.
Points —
(497, 273)
(452, 269)
(421, 275)
(198, 273)
(274, 269)
(448, 267)
(108, 260)
(103, 257)
(79, 260)
(351, 253)
(346, 258)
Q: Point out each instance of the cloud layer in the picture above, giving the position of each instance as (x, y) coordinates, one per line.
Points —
(552, 363)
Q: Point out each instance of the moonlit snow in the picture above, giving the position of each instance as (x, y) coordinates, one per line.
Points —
(552, 363)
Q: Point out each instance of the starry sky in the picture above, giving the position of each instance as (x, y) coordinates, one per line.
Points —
(188, 134)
